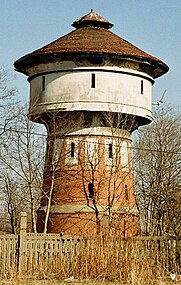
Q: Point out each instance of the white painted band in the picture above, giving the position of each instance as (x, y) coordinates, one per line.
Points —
(69, 208)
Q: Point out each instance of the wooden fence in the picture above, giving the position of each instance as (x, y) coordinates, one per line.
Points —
(32, 253)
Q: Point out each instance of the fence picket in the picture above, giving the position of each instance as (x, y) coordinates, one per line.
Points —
(32, 252)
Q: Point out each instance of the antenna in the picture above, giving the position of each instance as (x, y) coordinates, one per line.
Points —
(161, 99)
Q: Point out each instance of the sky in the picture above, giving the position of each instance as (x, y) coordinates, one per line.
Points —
(152, 25)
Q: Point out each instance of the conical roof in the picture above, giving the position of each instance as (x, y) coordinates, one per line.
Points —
(90, 38)
(92, 19)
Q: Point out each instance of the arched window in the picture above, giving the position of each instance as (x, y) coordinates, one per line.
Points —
(110, 150)
(91, 152)
(72, 151)
(126, 192)
(124, 156)
(91, 190)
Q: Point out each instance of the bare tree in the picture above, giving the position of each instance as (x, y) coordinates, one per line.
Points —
(53, 164)
(157, 173)
(7, 99)
(108, 174)
(57, 125)
(7, 116)
(91, 170)
(22, 158)
(15, 201)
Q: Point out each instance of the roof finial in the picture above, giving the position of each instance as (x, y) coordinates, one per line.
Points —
(92, 19)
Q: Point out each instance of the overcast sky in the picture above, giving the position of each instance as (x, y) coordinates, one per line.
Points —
(152, 25)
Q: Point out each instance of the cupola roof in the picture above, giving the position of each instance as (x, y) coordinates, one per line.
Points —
(92, 37)
(92, 19)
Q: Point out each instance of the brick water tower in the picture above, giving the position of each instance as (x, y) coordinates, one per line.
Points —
(91, 89)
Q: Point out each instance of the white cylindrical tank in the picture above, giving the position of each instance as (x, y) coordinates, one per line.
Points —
(92, 89)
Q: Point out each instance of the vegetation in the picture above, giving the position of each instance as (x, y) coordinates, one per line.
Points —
(103, 260)
(157, 184)
(86, 282)
(157, 168)
(101, 180)
(21, 161)
(156, 163)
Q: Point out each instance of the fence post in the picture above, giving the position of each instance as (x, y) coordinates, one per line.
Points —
(22, 243)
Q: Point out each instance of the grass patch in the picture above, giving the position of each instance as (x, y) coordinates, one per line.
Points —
(100, 261)
(161, 281)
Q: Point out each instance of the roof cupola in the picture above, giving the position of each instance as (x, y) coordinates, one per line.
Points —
(92, 19)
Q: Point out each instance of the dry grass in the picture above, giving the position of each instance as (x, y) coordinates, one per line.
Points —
(163, 281)
(101, 261)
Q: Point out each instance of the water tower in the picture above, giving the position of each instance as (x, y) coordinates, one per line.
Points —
(91, 89)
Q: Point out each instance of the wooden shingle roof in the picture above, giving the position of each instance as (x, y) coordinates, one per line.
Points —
(90, 37)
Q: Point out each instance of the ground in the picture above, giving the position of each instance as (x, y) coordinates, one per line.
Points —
(103, 282)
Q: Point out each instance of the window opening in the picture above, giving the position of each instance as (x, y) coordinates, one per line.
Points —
(72, 152)
(126, 192)
(91, 190)
(93, 81)
(91, 152)
(124, 156)
(110, 151)
(43, 83)
(141, 86)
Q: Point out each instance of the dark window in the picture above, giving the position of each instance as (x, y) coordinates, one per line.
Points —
(43, 83)
(91, 190)
(110, 150)
(141, 86)
(72, 149)
(126, 192)
(95, 60)
(93, 81)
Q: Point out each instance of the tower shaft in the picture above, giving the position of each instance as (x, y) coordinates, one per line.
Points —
(89, 166)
